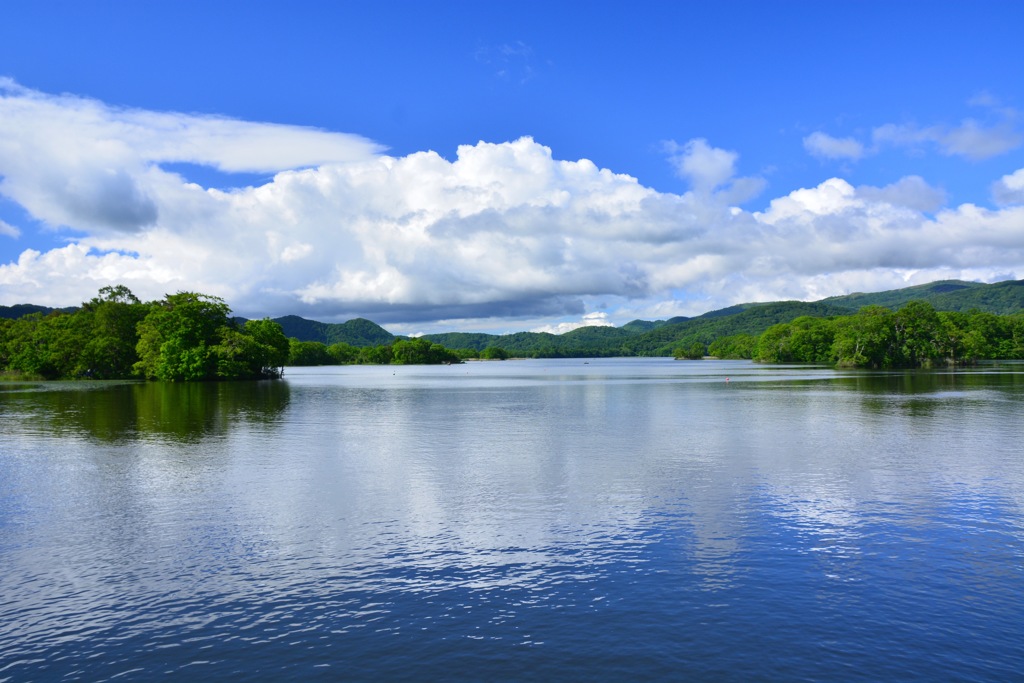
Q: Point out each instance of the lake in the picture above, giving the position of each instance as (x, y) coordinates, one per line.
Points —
(617, 519)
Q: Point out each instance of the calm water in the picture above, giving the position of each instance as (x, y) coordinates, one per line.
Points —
(544, 520)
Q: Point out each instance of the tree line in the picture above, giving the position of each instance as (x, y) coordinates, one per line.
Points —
(183, 337)
(189, 336)
(401, 352)
(913, 336)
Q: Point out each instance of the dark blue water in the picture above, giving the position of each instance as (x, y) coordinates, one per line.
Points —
(619, 520)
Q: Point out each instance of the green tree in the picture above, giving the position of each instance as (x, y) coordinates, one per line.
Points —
(178, 336)
(47, 346)
(115, 314)
(375, 355)
(306, 353)
(494, 353)
(916, 335)
(811, 340)
(994, 334)
(258, 351)
(421, 352)
(864, 339)
(343, 353)
(952, 336)
(271, 355)
(694, 351)
(773, 346)
(733, 347)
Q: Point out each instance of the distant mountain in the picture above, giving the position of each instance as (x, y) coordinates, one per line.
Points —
(19, 310)
(750, 319)
(1001, 298)
(642, 325)
(357, 332)
(894, 298)
(585, 341)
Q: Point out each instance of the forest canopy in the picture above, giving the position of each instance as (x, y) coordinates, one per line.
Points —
(913, 336)
(182, 337)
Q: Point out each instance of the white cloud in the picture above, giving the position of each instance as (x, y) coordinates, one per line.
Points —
(78, 162)
(706, 167)
(1010, 188)
(503, 231)
(711, 170)
(970, 139)
(8, 230)
(911, 192)
(825, 146)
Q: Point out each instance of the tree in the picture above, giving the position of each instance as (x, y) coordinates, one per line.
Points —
(178, 335)
(494, 353)
(343, 353)
(694, 351)
(864, 339)
(375, 355)
(811, 340)
(421, 352)
(802, 340)
(111, 350)
(306, 353)
(258, 351)
(916, 331)
(272, 352)
(733, 347)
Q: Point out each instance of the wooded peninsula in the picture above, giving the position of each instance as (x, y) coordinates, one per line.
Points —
(189, 336)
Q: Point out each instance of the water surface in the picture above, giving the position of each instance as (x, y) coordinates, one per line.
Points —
(608, 520)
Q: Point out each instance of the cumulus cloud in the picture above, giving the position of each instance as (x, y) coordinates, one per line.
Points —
(1010, 188)
(706, 167)
(77, 162)
(500, 231)
(824, 146)
(912, 192)
(711, 170)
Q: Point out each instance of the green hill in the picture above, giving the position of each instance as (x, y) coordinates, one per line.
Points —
(1001, 298)
(463, 340)
(747, 319)
(18, 310)
(357, 332)
(640, 326)
(894, 298)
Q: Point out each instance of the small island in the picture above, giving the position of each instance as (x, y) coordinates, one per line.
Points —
(183, 337)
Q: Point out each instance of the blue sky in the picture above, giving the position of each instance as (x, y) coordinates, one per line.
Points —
(502, 166)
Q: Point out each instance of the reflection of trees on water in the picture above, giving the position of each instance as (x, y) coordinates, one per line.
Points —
(132, 410)
(923, 392)
(929, 381)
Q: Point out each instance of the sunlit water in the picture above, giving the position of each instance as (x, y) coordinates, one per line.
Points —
(620, 519)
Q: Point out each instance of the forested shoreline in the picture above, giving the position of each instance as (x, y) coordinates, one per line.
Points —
(183, 337)
(191, 337)
(914, 336)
